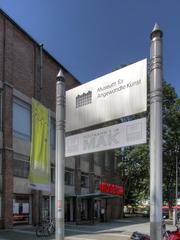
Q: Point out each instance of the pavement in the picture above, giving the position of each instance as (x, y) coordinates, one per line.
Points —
(115, 230)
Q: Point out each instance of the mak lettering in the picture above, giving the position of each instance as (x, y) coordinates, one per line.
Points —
(115, 136)
(101, 140)
(111, 188)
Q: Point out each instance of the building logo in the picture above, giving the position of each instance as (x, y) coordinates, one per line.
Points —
(111, 188)
(84, 99)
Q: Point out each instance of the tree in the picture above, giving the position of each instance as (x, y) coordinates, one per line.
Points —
(171, 142)
(134, 161)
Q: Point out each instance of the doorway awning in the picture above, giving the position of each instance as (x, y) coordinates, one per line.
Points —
(98, 196)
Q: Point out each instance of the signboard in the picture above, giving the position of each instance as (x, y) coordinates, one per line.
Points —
(115, 136)
(118, 94)
(111, 188)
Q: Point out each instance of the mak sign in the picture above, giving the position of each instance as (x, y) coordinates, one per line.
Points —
(115, 136)
(111, 188)
(118, 94)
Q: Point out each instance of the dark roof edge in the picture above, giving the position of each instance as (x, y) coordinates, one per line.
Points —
(39, 44)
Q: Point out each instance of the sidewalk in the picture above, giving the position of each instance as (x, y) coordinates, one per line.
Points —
(18, 234)
(116, 229)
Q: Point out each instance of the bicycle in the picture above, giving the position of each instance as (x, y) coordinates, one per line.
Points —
(46, 228)
(139, 236)
(51, 226)
(172, 235)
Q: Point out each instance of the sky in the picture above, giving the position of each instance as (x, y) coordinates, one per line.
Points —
(90, 38)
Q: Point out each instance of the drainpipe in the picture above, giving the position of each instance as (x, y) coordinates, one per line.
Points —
(40, 97)
(41, 67)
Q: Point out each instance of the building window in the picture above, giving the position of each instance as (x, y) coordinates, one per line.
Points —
(0, 161)
(107, 160)
(98, 158)
(53, 133)
(69, 177)
(0, 110)
(0, 206)
(21, 119)
(84, 180)
(52, 174)
(45, 207)
(97, 181)
(21, 165)
(21, 209)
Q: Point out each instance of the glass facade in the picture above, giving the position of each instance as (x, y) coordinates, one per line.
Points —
(69, 177)
(21, 209)
(21, 165)
(21, 119)
(0, 207)
(52, 173)
(53, 133)
(84, 180)
(0, 110)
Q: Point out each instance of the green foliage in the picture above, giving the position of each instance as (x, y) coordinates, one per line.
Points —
(134, 164)
(171, 142)
(134, 161)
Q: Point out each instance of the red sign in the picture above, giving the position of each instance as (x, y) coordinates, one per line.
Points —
(111, 188)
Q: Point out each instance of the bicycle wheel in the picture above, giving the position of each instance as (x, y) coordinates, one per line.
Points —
(166, 235)
(51, 229)
(40, 231)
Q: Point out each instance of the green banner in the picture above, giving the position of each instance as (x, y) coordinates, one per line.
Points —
(39, 174)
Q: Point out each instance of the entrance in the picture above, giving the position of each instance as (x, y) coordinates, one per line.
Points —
(69, 209)
(21, 209)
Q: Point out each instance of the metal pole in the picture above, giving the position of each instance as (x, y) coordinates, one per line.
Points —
(60, 155)
(176, 220)
(156, 134)
(176, 179)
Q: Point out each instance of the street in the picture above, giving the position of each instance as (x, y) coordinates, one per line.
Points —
(120, 229)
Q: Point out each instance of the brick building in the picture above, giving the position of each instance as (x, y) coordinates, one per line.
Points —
(27, 70)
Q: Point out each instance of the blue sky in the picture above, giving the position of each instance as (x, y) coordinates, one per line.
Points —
(92, 37)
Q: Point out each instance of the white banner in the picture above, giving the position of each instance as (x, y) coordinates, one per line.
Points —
(118, 94)
(115, 136)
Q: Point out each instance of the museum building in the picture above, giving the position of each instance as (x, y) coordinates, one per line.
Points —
(28, 71)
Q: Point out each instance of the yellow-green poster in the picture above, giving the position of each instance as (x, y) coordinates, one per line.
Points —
(39, 158)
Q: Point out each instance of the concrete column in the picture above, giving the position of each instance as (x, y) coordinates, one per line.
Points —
(78, 187)
(91, 173)
(35, 207)
(7, 158)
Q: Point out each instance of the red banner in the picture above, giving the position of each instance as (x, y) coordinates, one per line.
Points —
(111, 188)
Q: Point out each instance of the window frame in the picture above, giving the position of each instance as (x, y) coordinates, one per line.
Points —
(52, 133)
(21, 158)
(26, 107)
(86, 176)
(71, 182)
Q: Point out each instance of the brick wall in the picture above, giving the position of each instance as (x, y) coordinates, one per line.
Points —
(1, 46)
(23, 63)
(20, 69)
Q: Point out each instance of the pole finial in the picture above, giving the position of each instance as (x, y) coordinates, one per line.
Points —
(60, 75)
(156, 32)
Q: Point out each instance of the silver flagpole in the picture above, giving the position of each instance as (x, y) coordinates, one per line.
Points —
(156, 134)
(60, 155)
